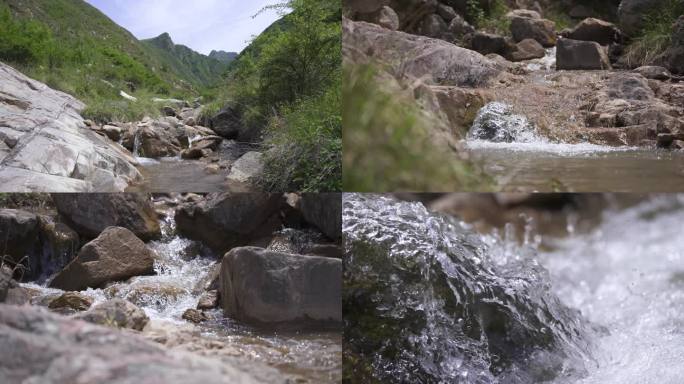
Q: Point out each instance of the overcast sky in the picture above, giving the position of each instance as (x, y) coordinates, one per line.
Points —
(203, 25)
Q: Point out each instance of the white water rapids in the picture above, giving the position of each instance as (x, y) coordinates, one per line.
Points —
(627, 275)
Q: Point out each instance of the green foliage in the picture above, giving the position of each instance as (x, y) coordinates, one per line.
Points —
(74, 48)
(387, 146)
(492, 20)
(288, 80)
(656, 35)
(307, 146)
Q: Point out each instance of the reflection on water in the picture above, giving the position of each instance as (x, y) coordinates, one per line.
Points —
(579, 167)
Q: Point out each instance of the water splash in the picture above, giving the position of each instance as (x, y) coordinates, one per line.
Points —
(428, 300)
(496, 122)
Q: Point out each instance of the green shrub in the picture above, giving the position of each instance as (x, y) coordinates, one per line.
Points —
(387, 145)
(656, 35)
(307, 146)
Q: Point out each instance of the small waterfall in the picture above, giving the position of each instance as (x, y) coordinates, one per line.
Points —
(496, 122)
(137, 143)
(428, 300)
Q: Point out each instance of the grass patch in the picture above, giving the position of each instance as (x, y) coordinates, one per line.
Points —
(387, 145)
(493, 20)
(655, 36)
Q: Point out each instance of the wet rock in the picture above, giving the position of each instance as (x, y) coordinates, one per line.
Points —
(226, 220)
(496, 122)
(434, 60)
(600, 31)
(19, 231)
(12, 292)
(90, 214)
(48, 145)
(577, 54)
(541, 30)
(664, 140)
(262, 287)
(247, 168)
(5, 281)
(33, 351)
(324, 210)
(116, 313)
(631, 14)
(325, 250)
(114, 255)
(208, 300)
(70, 302)
(403, 324)
(486, 43)
(677, 145)
(149, 294)
(526, 50)
(194, 316)
(460, 105)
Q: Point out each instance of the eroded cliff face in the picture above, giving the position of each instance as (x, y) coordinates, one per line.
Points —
(46, 146)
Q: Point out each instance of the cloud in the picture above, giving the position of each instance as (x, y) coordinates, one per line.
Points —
(203, 25)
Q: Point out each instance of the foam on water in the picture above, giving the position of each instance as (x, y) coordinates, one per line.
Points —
(627, 275)
(542, 145)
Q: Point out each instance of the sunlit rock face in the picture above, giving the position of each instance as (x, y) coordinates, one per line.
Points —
(45, 145)
(426, 299)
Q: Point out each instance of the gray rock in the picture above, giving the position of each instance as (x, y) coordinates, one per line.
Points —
(629, 86)
(459, 28)
(208, 300)
(40, 347)
(228, 124)
(324, 210)
(263, 287)
(446, 12)
(50, 147)
(531, 14)
(384, 17)
(526, 50)
(433, 60)
(113, 256)
(19, 231)
(654, 72)
(113, 132)
(432, 26)
(541, 30)
(226, 220)
(194, 316)
(577, 54)
(168, 111)
(600, 31)
(70, 302)
(117, 313)
(89, 214)
(486, 43)
(247, 168)
(365, 6)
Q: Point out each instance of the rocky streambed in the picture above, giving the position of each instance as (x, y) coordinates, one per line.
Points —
(46, 146)
(218, 288)
(575, 113)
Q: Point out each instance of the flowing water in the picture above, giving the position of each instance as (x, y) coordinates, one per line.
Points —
(454, 306)
(183, 269)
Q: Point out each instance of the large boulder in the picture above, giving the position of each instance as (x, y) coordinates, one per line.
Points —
(114, 255)
(226, 220)
(19, 231)
(433, 60)
(631, 14)
(46, 145)
(324, 210)
(155, 142)
(486, 43)
(526, 50)
(228, 124)
(591, 29)
(542, 30)
(40, 347)
(90, 214)
(263, 287)
(247, 168)
(117, 313)
(432, 25)
(577, 54)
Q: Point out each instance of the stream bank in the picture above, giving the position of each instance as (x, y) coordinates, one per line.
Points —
(152, 267)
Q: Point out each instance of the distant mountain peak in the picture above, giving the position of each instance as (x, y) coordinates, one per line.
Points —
(223, 56)
(164, 41)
